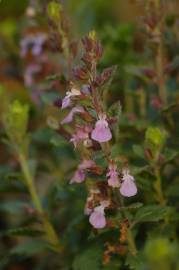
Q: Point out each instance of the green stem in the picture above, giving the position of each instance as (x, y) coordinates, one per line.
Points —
(130, 238)
(159, 61)
(66, 51)
(49, 230)
(131, 242)
(158, 186)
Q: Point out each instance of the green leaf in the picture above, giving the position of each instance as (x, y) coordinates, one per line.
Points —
(134, 205)
(113, 265)
(155, 136)
(135, 262)
(30, 248)
(24, 231)
(12, 207)
(90, 259)
(150, 213)
(160, 249)
(49, 97)
(138, 150)
(33, 166)
(16, 121)
(170, 155)
(54, 10)
(58, 140)
(115, 150)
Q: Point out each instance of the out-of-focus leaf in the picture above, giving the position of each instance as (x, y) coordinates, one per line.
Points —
(30, 248)
(155, 136)
(58, 140)
(49, 97)
(135, 262)
(138, 150)
(24, 231)
(170, 155)
(12, 207)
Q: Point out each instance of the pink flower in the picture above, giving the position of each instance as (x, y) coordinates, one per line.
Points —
(82, 134)
(33, 42)
(66, 102)
(87, 164)
(69, 117)
(30, 72)
(101, 133)
(97, 218)
(128, 187)
(79, 175)
(113, 180)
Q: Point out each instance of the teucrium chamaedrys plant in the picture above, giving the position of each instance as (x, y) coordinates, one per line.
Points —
(15, 121)
(92, 135)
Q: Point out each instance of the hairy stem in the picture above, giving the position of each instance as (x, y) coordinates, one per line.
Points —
(49, 230)
(130, 238)
(158, 186)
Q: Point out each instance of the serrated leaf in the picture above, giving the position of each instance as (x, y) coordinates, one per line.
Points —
(150, 213)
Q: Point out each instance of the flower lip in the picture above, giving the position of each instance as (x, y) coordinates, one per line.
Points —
(128, 187)
(101, 133)
(97, 218)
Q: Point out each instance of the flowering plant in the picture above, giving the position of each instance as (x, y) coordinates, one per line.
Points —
(89, 152)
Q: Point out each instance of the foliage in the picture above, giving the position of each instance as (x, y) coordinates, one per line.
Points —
(64, 203)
